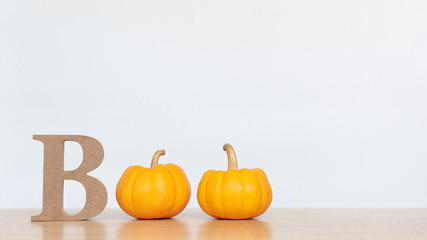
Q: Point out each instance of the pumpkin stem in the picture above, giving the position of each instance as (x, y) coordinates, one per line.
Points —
(156, 157)
(232, 161)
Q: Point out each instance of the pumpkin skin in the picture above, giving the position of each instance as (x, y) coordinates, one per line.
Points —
(234, 194)
(161, 191)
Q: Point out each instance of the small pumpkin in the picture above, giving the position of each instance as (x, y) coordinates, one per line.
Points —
(161, 191)
(234, 194)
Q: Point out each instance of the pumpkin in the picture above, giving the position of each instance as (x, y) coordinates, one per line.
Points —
(161, 191)
(234, 194)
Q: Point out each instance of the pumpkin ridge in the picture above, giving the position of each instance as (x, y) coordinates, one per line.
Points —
(179, 175)
(124, 196)
(141, 192)
(153, 191)
(210, 212)
(266, 190)
(172, 207)
(213, 196)
(242, 181)
(225, 212)
(221, 180)
(258, 192)
(201, 191)
(131, 209)
(134, 209)
(270, 191)
(263, 197)
(232, 189)
(120, 185)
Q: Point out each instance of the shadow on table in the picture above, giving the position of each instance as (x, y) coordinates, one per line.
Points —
(153, 229)
(234, 229)
(76, 229)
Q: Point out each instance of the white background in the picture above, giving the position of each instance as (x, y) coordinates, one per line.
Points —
(328, 97)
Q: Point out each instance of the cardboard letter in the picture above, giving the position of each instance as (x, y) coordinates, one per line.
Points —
(54, 176)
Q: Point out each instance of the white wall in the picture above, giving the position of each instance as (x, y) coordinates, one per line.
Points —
(328, 97)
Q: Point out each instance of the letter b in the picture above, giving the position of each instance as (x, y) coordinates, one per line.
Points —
(54, 176)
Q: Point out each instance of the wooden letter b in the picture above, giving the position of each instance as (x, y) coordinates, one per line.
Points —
(54, 176)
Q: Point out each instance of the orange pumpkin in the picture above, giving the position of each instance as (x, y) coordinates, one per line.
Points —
(234, 194)
(161, 191)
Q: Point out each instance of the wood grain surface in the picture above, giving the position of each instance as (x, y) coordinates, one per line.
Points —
(276, 223)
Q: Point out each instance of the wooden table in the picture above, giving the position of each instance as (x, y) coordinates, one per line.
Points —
(402, 224)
